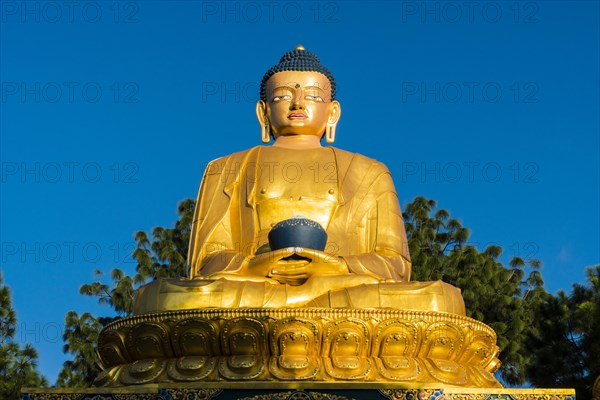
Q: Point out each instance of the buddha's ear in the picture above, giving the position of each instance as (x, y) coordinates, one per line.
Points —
(261, 112)
(335, 112)
(263, 120)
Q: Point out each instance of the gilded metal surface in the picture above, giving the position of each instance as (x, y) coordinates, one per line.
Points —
(367, 242)
(250, 314)
(243, 195)
(298, 344)
(185, 294)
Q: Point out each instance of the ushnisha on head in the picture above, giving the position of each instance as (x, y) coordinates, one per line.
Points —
(297, 97)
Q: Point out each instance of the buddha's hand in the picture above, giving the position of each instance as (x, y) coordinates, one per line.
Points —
(264, 263)
(312, 263)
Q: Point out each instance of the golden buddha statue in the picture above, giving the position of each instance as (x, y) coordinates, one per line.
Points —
(243, 195)
(249, 312)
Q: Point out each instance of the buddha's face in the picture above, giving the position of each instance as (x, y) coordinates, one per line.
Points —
(298, 103)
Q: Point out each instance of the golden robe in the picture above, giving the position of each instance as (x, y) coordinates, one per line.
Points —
(242, 195)
(352, 196)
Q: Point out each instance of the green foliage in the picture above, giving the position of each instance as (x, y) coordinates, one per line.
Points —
(8, 317)
(166, 255)
(80, 337)
(567, 338)
(162, 256)
(120, 297)
(504, 297)
(18, 366)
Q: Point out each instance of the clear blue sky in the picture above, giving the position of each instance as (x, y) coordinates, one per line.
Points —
(110, 111)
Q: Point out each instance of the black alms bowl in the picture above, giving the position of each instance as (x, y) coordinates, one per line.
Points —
(298, 232)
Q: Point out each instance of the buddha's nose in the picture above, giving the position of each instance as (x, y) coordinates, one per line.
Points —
(297, 101)
(297, 105)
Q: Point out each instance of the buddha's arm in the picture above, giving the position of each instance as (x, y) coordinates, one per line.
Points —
(212, 247)
(218, 254)
(384, 248)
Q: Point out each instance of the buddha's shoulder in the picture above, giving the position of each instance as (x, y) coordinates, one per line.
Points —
(345, 160)
(233, 158)
(357, 161)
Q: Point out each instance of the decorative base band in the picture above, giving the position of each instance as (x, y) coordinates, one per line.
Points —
(331, 392)
(303, 345)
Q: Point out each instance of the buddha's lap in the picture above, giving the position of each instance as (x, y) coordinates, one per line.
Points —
(356, 292)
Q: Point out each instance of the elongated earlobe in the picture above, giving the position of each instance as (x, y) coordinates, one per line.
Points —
(266, 131)
(330, 133)
(263, 120)
(334, 116)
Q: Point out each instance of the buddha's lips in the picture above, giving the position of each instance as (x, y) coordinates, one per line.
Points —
(297, 115)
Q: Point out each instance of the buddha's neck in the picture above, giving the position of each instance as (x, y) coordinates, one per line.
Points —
(298, 142)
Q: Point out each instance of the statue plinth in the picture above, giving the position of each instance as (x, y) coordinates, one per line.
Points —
(277, 391)
(299, 347)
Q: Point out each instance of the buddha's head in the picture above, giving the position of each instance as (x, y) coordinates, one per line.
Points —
(297, 97)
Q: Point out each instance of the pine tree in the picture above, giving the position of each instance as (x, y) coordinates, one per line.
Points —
(80, 337)
(567, 338)
(18, 366)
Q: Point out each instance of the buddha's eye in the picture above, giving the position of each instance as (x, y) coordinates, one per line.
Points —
(282, 97)
(315, 98)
